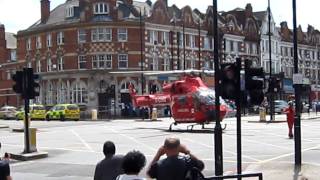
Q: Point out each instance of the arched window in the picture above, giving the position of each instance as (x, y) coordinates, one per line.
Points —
(49, 93)
(49, 63)
(166, 62)
(38, 63)
(154, 62)
(61, 93)
(79, 93)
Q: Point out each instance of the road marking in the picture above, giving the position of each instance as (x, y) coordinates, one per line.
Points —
(267, 144)
(82, 140)
(248, 157)
(288, 154)
(131, 138)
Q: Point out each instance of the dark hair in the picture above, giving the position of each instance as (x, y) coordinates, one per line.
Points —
(109, 148)
(172, 143)
(133, 162)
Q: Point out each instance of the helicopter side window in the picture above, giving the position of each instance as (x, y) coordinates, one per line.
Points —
(182, 100)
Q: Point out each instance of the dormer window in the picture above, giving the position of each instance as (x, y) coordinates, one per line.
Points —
(101, 8)
(69, 11)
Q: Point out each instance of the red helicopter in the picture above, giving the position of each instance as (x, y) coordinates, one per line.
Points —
(190, 100)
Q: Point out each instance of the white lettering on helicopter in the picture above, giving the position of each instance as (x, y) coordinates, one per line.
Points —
(183, 110)
(160, 100)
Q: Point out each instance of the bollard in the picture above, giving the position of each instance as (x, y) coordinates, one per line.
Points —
(262, 113)
(154, 114)
(94, 114)
(33, 139)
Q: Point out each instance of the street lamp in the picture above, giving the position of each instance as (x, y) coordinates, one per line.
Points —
(270, 65)
(297, 90)
(141, 52)
(217, 130)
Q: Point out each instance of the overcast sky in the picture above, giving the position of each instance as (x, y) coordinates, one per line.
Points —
(20, 14)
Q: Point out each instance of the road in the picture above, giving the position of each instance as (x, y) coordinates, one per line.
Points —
(75, 147)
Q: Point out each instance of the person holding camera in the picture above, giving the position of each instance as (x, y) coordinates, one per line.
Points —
(175, 166)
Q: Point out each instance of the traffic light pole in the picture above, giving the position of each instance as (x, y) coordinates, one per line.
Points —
(25, 85)
(238, 104)
(26, 126)
(217, 130)
(297, 119)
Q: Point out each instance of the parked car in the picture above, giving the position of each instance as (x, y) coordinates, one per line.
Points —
(64, 112)
(37, 111)
(8, 112)
(280, 106)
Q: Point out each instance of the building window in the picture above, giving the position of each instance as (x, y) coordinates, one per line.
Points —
(166, 64)
(101, 8)
(166, 38)
(82, 62)
(102, 61)
(122, 34)
(61, 93)
(154, 62)
(38, 63)
(38, 42)
(60, 38)
(123, 61)
(101, 34)
(50, 93)
(70, 11)
(79, 94)
(49, 42)
(29, 44)
(206, 43)
(181, 39)
(49, 64)
(60, 63)
(192, 41)
(82, 36)
(13, 55)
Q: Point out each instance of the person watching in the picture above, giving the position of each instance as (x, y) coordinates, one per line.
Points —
(174, 166)
(110, 167)
(4, 168)
(133, 163)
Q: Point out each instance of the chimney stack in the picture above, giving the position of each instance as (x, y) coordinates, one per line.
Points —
(45, 10)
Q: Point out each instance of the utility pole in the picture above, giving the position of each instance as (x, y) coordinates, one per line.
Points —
(270, 66)
(178, 49)
(297, 90)
(217, 130)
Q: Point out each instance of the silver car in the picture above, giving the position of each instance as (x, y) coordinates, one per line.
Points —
(8, 112)
(280, 106)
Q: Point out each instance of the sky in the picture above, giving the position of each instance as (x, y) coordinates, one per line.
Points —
(20, 14)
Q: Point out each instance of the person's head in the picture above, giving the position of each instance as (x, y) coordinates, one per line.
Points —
(109, 148)
(171, 146)
(133, 162)
(290, 104)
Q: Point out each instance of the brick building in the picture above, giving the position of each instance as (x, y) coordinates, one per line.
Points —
(8, 46)
(80, 47)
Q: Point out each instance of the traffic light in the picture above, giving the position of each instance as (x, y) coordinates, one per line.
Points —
(254, 83)
(229, 81)
(32, 83)
(18, 79)
(275, 85)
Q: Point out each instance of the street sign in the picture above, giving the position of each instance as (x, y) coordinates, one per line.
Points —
(297, 78)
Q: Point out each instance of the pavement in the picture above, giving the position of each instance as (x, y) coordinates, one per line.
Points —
(280, 118)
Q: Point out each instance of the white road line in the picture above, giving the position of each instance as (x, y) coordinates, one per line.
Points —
(248, 157)
(259, 142)
(82, 140)
(288, 154)
(131, 138)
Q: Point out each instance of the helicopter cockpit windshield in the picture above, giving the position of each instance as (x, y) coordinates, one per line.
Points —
(205, 96)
